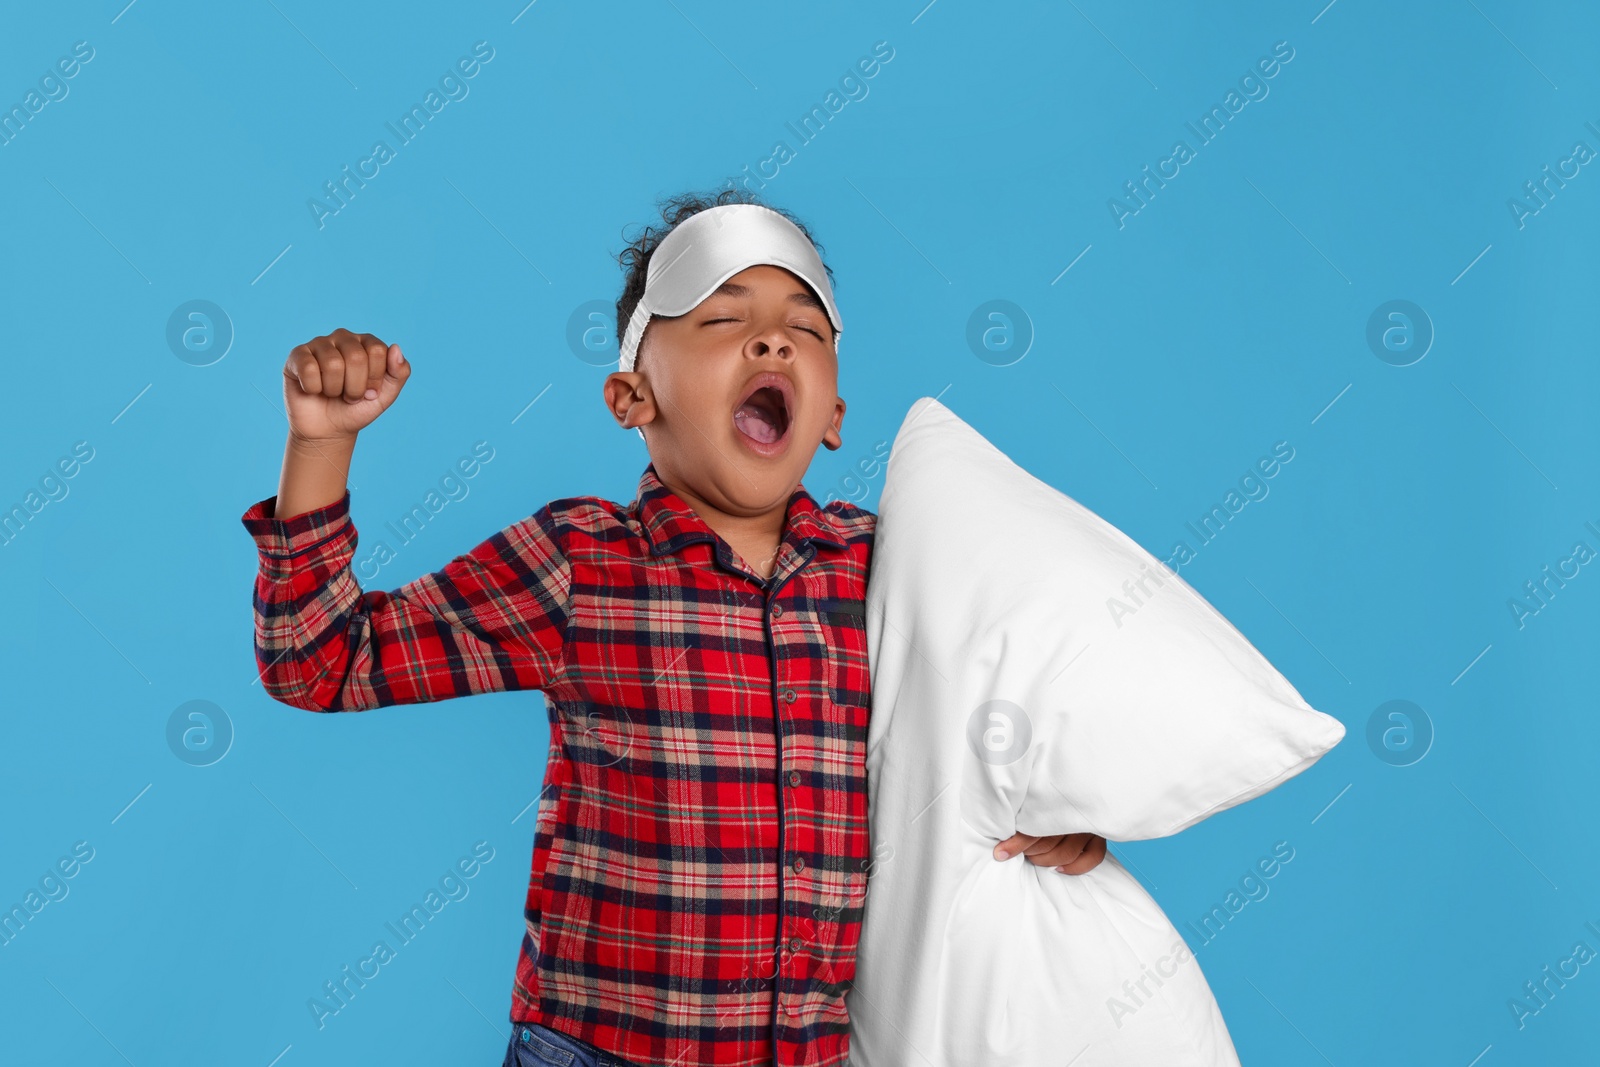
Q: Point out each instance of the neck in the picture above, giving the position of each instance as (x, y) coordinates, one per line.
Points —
(755, 538)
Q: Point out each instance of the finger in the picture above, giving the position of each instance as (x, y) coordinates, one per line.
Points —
(1088, 860)
(1047, 843)
(1062, 848)
(303, 370)
(330, 362)
(377, 357)
(1013, 845)
(397, 370)
(355, 364)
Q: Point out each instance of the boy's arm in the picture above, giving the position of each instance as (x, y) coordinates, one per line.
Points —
(491, 620)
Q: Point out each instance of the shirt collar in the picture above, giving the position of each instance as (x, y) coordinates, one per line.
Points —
(669, 523)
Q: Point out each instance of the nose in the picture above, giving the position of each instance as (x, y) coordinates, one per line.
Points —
(773, 340)
(765, 345)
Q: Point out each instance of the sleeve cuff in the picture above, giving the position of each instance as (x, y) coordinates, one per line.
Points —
(287, 538)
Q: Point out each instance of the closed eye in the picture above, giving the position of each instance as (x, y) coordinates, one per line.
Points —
(808, 329)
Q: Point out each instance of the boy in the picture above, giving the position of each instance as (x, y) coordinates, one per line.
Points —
(701, 854)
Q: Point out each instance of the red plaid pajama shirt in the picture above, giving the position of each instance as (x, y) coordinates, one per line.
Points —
(701, 853)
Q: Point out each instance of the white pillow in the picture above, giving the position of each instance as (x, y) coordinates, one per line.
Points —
(986, 584)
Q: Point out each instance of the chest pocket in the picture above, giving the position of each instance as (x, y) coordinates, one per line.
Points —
(844, 625)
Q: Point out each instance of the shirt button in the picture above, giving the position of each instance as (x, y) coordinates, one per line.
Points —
(788, 696)
(794, 777)
(777, 609)
(794, 944)
(799, 864)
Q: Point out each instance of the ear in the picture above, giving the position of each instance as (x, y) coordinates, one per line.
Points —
(830, 436)
(627, 394)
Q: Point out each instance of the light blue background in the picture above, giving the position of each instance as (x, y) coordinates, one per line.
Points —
(1227, 315)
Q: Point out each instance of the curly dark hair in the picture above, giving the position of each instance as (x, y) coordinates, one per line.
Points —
(635, 259)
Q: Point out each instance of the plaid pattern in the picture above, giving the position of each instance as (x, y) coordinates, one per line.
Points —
(701, 851)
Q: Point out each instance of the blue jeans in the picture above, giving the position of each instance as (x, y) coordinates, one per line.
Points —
(533, 1045)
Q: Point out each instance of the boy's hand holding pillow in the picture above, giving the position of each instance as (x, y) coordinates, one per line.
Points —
(1007, 698)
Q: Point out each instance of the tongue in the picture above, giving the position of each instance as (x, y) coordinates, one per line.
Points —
(756, 423)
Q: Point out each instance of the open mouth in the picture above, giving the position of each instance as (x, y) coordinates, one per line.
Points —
(763, 413)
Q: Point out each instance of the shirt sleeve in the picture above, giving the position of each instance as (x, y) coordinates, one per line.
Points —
(491, 620)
